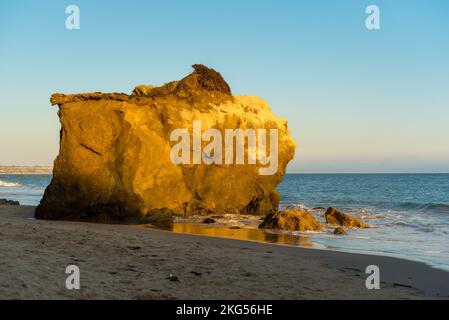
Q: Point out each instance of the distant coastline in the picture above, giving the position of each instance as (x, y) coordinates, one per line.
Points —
(26, 170)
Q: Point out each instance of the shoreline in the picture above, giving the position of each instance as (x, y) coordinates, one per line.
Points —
(279, 237)
(129, 262)
(304, 239)
(308, 244)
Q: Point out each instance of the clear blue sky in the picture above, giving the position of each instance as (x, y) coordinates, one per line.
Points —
(356, 100)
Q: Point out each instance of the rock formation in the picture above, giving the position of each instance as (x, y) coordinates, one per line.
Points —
(9, 202)
(340, 231)
(334, 216)
(209, 220)
(114, 160)
(292, 220)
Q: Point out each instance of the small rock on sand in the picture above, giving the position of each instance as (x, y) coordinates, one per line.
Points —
(172, 278)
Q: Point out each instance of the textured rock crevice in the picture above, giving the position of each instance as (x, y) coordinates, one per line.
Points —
(114, 161)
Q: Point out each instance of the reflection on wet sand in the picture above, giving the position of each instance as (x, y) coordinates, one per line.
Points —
(241, 234)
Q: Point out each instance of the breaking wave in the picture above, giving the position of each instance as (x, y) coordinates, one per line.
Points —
(9, 184)
(432, 207)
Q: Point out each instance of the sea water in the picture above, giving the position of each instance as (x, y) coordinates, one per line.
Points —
(28, 189)
(408, 213)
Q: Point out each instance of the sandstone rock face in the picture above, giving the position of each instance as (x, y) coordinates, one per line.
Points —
(114, 161)
(334, 216)
(292, 220)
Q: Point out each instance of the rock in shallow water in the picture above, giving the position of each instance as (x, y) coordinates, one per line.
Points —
(292, 220)
(334, 216)
(209, 221)
(9, 202)
(340, 231)
(114, 161)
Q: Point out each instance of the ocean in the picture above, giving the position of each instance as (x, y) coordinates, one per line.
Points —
(408, 213)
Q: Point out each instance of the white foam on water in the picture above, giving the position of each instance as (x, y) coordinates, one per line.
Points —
(9, 184)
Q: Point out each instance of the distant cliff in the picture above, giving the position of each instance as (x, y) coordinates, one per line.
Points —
(25, 170)
(115, 160)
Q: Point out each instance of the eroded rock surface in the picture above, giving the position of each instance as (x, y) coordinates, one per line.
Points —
(334, 216)
(114, 160)
(292, 220)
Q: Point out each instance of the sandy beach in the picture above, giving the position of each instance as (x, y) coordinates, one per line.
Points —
(127, 262)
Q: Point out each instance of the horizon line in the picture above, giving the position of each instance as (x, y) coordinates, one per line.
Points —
(367, 172)
(296, 172)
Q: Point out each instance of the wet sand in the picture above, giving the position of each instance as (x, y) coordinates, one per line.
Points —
(127, 262)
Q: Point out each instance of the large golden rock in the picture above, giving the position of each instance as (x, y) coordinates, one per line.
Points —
(115, 165)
